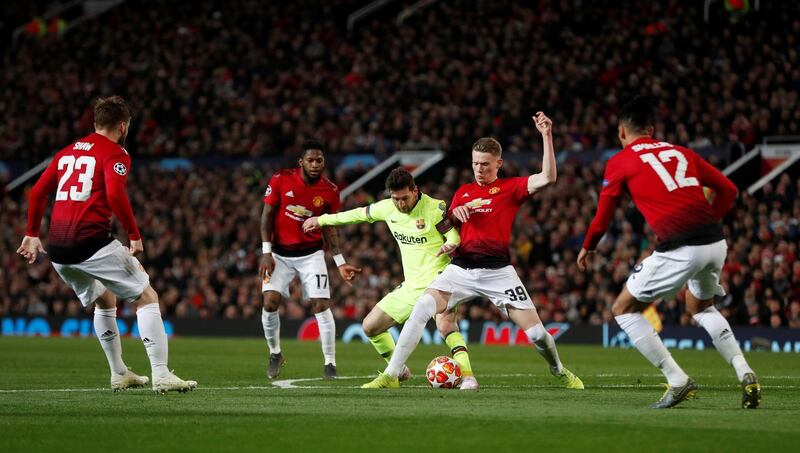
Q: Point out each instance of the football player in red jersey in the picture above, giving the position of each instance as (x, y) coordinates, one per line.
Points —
(666, 183)
(88, 178)
(292, 196)
(485, 211)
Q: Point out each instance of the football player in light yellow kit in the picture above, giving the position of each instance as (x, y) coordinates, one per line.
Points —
(426, 238)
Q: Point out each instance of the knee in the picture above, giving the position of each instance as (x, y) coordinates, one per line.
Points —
(622, 307)
(698, 307)
(370, 329)
(149, 296)
(320, 305)
(271, 301)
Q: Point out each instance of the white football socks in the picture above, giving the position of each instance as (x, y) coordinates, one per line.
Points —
(647, 341)
(327, 335)
(722, 336)
(154, 337)
(545, 346)
(272, 330)
(105, 327)
(424, 310)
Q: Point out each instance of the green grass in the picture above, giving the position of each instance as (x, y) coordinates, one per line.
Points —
(518, 408)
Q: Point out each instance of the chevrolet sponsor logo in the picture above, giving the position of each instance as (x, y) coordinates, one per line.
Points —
(477, 203)
(300, 211)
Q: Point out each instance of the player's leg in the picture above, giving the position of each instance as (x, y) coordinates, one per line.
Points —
(658, 275)
(447, 324)
(314, 277)
(504, 288)
(107, 331)
(154, 338)
(376, 325)
(432, 301)
(90, 291)
(327, 334)
(274, 288)
(394, 308)
(702, 288)
(105, 327)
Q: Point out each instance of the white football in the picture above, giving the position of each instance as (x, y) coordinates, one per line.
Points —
(443, 372)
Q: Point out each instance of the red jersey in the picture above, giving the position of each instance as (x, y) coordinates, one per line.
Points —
(88, 178)
(294, 202)
(485, 237)
(666, 183)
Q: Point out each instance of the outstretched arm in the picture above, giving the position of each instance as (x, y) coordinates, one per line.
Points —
(548, 174)
(352, 216)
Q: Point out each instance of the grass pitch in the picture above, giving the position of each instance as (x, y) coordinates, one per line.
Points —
(54, 396)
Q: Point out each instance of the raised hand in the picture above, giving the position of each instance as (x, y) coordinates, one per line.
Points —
(543, 123)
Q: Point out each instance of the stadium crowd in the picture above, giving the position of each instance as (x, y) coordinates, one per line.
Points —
(252, 79)
(202, 249)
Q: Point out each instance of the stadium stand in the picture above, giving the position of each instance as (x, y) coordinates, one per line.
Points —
(235, 80)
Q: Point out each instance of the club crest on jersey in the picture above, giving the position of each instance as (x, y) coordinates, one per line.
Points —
(120, 169)
(494, 190)
(318, 201)
(420, 224)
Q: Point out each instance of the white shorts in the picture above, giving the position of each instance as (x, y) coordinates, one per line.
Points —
(501, 286)
(113, 268)
(310, 268)
(663, 274)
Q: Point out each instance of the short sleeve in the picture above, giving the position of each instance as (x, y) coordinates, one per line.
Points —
(613, 179)
(380, 210)
(116, 167)
(334, 203)
(520, 189)
(272, 196)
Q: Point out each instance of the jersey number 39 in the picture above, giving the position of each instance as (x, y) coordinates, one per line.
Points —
(80, 192)
(680, 179)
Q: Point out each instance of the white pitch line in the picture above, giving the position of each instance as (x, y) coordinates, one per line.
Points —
(291, 384)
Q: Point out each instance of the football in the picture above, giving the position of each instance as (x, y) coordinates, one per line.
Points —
(443, 372)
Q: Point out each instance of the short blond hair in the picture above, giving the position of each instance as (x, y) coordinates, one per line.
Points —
(488, 145)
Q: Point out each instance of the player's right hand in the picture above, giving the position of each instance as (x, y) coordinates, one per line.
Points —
(447, 249)
(136, 247)
(267, 266)
(461, 213)
(582, 258)
(30, 248)
(311, 224)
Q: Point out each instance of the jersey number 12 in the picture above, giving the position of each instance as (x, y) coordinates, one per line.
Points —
(81, 192)
(680, 179)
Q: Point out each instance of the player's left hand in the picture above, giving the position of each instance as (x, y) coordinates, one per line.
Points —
(348, 272)
(30, 248)
(582, 258)
(311, 224)
(136, 247)
(447, 249)
(543, 123)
